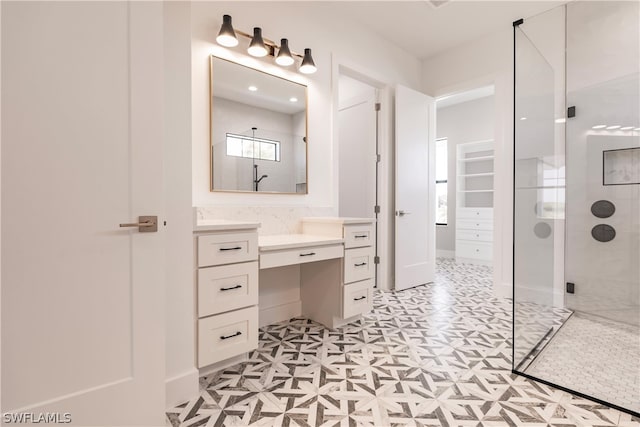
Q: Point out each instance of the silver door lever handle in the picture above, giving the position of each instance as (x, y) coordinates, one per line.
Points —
(145, 224)
(402, 213)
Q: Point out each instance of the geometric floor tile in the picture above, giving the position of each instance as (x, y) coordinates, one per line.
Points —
(435, 355)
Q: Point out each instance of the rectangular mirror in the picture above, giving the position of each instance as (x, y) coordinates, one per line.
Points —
(258, 131)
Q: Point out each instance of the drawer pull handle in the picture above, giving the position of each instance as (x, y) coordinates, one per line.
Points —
(359, 298)
(308, 254)
(237, 248)
(222, 337)
(231, 288)
(361, 236)
(360, 265)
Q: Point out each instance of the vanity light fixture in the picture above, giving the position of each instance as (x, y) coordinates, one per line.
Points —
(307, 66)
(599, 127)
(257, 47)
(226, 36)
(627, 128)
(261, 47)
(613, 127)
(284, 57)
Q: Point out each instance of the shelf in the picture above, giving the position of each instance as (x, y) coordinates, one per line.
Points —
(475, 191)
(476, 159)
(472, 175)
(542, 187)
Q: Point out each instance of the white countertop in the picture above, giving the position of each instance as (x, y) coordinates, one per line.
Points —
(339, 220)
(292, 241)
(223, 224)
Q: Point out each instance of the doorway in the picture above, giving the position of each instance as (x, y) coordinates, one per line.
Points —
(465, 169)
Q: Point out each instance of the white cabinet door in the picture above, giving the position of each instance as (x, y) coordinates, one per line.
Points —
(82, 135)
(415, 189)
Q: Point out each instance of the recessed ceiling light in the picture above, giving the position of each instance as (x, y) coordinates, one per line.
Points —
(599, 127)
(252, 88)
(613, 127)
(561, 120)
(523, 118)
(627, 128)
(293, 99)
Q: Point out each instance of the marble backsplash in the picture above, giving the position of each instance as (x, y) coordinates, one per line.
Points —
(273, 219)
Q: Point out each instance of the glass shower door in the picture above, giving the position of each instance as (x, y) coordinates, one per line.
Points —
(577, 252)
(603, 200)
(538, 185)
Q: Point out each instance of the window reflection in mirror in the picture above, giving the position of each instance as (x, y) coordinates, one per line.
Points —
(258, 131)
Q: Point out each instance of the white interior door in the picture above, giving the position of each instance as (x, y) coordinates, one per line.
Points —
(357, 136)
(415, 189)
(82, 128)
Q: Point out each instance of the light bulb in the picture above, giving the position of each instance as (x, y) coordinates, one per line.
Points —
(226, 36)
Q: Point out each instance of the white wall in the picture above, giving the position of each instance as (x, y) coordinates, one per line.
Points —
(335, 40)
(181, 374)
(460, 123)
(487, 60)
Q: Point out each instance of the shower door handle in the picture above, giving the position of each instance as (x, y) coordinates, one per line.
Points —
(402, 213)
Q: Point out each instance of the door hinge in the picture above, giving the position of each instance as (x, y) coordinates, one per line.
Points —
(376, 259)
(377, 106)
(376, 209)
(378, 158)
(571, 111)
(571, 288)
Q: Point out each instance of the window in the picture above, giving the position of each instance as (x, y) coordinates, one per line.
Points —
(442, 160)
(253, 148)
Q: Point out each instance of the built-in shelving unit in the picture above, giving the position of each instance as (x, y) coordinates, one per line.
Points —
(474, 196)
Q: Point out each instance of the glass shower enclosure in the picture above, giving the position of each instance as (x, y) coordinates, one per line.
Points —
(576, 288)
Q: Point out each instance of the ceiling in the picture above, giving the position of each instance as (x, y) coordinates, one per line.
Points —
(424, 30)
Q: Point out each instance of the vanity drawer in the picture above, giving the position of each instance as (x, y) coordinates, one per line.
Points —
(358, 264)
(357, 298)
(358, 235)
(226, 335)
(470, 224)
(227, 248)
(300, 256)
(475, 235)
(227, 287)
(474, 250)
(475, 213)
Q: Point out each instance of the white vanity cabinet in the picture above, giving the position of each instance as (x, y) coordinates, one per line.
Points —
(226, 289)
(336, 294)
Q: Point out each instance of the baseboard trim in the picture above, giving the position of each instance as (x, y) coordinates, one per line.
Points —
(181, 388)
(503, 290)
(444, 253)
(279, 313)
(223, 364)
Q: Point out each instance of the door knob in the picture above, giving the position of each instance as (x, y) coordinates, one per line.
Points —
(145, 224)
(402, 213)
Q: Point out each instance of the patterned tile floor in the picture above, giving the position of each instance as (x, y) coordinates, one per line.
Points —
(587, 352)
(436, 355)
